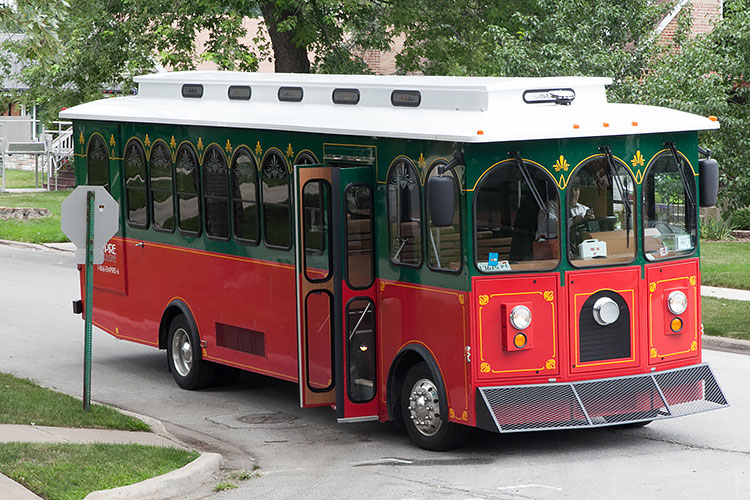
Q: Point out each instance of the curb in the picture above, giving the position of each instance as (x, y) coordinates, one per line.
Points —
(55, 247)
(726, 344)
(178, 482)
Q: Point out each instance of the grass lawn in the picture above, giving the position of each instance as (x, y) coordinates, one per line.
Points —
(23, 402)
(726, 318)
(45, 230)
(21, 178)
(70, 472)
(726, 264)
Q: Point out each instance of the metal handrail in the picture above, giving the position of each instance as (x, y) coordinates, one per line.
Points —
(60, 146)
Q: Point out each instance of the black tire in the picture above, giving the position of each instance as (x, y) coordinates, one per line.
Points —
(184, 356)
(425, 424)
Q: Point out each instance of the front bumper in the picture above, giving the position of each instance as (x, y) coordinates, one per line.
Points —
(601, 402)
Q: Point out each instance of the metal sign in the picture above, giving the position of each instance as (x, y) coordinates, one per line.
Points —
(106, 220)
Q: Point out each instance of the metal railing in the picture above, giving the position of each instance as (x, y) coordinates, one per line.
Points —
(60, 146)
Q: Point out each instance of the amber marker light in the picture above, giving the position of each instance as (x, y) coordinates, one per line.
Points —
(480, 132)
(605, 124)
(676, 324)
(713, 118)
(519, 340)
(576, 126)
(635, 124)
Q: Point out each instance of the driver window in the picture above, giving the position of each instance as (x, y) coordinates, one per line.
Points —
(669, 212)
(600, 214)
(515, 222)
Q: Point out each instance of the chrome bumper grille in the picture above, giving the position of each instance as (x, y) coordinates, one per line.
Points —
(595, 403)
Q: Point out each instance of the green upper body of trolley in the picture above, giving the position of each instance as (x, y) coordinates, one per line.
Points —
(407, 155)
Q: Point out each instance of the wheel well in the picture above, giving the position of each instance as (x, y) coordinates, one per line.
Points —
(400, 367)
(173, 310)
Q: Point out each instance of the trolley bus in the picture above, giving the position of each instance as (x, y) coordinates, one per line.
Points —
(444, 252)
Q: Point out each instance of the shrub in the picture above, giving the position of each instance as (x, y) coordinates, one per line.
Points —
(741, 218)
(715, 228)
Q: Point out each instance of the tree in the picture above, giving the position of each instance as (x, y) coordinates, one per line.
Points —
(71, 53)
(710, 75)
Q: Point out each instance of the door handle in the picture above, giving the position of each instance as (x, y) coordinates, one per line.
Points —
(139, 244)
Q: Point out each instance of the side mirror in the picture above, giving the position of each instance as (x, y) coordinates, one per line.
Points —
(708, 179)
(441, 191)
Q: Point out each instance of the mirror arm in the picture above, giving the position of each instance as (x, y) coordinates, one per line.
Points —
(458, 159)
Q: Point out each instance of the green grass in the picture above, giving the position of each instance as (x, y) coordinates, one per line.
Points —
(23, 402)
(726, 318)
(45, 230)
(70, 472)
(725, 264)
(21, 178)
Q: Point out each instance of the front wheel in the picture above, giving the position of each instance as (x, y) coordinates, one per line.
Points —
(423, 419)
(188, 368)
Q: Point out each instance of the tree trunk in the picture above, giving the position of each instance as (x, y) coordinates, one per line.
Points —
(288, 57)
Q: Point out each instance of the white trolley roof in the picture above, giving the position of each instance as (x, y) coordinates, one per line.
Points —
(462, 109)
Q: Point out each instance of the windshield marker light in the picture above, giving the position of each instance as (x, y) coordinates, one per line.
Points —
(520, 317)
(677, 302)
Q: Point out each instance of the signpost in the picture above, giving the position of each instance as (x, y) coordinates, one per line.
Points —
(89, 218)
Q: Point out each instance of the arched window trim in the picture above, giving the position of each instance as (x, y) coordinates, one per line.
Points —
(277, 171)
(242, 150)
(196, 173)
(509, 163)
(428, 226)
(222, 159)
(690, 173)
(97, 139)
(411, 179)
(141, 151)
(160, 144)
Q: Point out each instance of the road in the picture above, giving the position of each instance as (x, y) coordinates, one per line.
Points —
(306, 454)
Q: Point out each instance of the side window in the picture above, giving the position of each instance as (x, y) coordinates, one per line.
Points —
(359, 241)
(276, 204)
(669, 209)
(136, 187)
(216, 193)
(404, 213)
(316, 212)
(187, 185)
(162, 196)
(516, 223)
(245, 196)
(444, 243)
(97, 162)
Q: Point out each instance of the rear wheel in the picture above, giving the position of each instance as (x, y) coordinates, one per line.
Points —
(188, 368)
(423, 419)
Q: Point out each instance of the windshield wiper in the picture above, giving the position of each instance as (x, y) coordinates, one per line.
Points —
(685, 183)
(623, 192)
(527, 177)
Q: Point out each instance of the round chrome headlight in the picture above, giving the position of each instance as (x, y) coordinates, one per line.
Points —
(520, 317)
(677, 302)
(606, 311)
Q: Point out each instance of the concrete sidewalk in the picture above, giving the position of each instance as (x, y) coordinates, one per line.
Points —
(202, 471)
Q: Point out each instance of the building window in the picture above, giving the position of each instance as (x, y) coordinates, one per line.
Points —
(276, 206)
(245, 196)
(187, 185)
(97, 162)
(136, 186)
(162, 195)
(404, 213)
(216, 193)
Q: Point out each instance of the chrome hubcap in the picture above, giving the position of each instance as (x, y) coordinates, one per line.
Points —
(424, 407)
(182, 352)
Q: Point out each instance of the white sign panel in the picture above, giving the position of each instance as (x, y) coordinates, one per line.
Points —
(106, 220)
